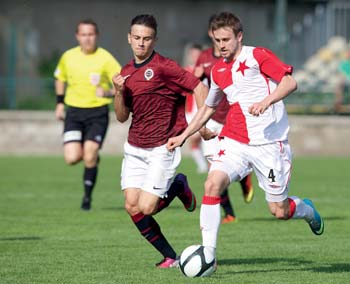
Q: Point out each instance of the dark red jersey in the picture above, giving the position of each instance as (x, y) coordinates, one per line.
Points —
(153, 94)
(207, 59)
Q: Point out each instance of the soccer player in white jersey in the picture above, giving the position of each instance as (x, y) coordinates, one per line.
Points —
(254, 136)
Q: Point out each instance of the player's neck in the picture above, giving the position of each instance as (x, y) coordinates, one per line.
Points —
(140, 60)
(88, 51)
(235, 55)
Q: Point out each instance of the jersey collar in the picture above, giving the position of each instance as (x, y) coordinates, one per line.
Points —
(138, 65)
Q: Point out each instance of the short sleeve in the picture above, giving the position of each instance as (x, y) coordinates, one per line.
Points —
(60, 71)
(177, 78)
(271, 65)
(215, 94)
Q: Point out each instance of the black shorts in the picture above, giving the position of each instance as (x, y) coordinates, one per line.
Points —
(83, 124)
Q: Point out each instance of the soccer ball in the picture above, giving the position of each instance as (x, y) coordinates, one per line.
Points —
(197, 261)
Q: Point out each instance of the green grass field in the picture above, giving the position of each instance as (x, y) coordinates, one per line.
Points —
(46, 238)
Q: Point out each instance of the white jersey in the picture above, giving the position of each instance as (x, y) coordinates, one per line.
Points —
(245, 81)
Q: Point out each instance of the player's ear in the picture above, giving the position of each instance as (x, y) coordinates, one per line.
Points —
(240, 36)
(210, 34)
(129, 38)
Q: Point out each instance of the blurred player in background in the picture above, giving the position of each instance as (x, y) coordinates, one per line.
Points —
(205, 62)
(342, 91)
(151, 87)
(255, 135)
(83, 84)
(192, 53)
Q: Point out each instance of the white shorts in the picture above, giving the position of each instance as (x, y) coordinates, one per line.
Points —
(272, 164)
(209, 146)
(149, 169)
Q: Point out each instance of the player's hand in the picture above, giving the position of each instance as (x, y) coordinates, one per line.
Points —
(258, 108)
(59, 111)
(100, 92)
(174, 142)
(207, 134)
(118, 82)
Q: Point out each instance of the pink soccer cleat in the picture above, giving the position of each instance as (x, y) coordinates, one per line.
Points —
(186, 196)
(168, 263)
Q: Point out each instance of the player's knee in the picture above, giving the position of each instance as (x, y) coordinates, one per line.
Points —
(211, 188)
(131, 209)
(72, 159)
(147, 209)
(90, 159)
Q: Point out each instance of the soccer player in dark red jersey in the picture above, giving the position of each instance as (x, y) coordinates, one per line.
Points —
(205, 62)
(191, 55)
(150, 87)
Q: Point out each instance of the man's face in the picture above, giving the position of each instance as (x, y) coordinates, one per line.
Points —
(86, 37)
(228, 44)
(142, 40)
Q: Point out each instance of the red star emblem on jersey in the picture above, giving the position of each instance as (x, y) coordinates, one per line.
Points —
(221, 152)
(242, 67)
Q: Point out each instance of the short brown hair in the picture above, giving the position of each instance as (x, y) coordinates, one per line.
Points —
(226, 19)
(87, 22)
(145, 20)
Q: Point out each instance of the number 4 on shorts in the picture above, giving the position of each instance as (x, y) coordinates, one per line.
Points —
(271, 176)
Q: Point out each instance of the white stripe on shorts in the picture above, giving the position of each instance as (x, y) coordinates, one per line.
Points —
(72, 135)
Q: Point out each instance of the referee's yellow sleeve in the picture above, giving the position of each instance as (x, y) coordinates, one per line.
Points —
(112, 67)
(60, 72)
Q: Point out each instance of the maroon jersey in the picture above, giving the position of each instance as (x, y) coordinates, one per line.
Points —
(207, 59)
(153, 94)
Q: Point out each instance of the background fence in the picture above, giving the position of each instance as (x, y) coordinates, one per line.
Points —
(313, 36)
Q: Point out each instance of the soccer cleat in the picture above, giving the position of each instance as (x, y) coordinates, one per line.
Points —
(86, 203)
(186, 196)
(228, 219)
(316, 223)
(168, 263)
(249, 195)
(247, 189)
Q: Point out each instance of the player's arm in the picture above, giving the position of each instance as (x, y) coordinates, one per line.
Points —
(199, 120)
(60, 75)
(286, 86)
(201, 93)
(274, 68)
(102, 93)
(60, 90)
(122, 112)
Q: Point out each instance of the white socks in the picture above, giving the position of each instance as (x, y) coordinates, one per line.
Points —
(210, 218)
(301, 209)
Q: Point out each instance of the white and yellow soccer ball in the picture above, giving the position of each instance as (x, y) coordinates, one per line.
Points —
(197, 261)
